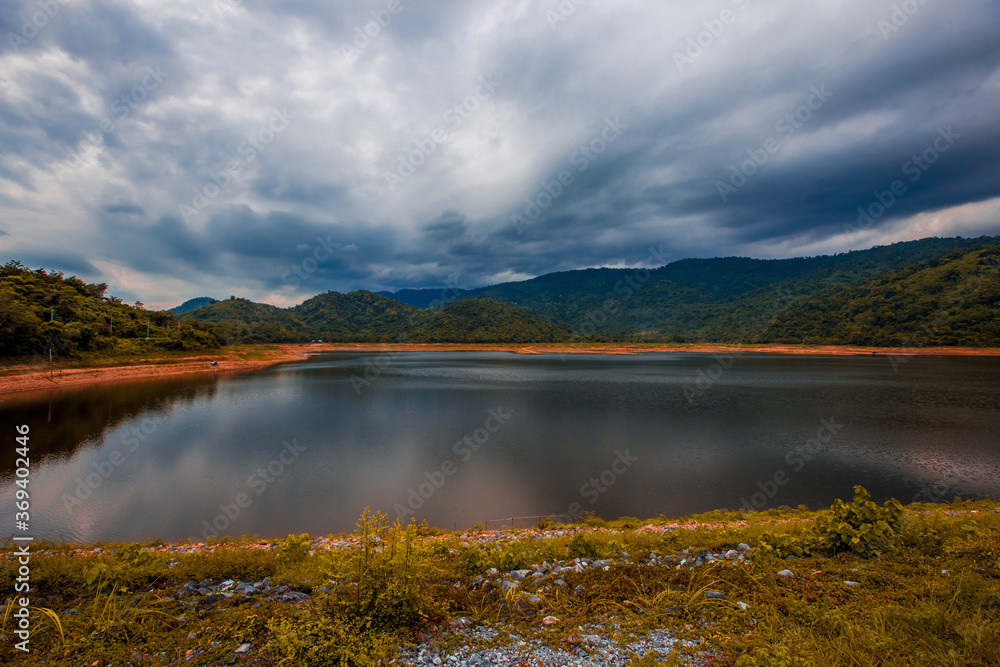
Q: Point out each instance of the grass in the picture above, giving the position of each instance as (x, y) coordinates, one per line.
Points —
(931, 595)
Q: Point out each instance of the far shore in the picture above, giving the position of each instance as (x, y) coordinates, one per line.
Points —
(35, 378)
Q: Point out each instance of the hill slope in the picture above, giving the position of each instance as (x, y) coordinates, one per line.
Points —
(192, 304)
(364, 317)
(717, 300)
(948, 300)
(42, 310)
(245, 321)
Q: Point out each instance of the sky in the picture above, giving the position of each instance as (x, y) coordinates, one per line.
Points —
(181, 148)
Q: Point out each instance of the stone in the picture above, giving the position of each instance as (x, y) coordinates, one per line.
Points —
(518, 575)
(242, 648)
(743, 605)
(786, 574)
(550, 620)
(743, 546)
(715, 595)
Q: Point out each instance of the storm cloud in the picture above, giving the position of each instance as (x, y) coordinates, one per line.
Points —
(178, 149)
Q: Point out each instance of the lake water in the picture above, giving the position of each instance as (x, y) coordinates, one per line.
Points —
(466, 437)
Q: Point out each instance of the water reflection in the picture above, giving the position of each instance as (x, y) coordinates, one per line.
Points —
(456, 438)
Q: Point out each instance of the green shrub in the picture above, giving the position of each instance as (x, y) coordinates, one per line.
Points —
(317, 638)
(860, 527)
(473, 561)
(783, 545)
(375, 607)
(294, 548)
(582, 546)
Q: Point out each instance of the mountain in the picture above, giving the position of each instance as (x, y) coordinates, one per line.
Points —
(244, 321)
(948, 300)
(424, 298)
(365, 317)
(485, 321)
(191, 304)
(359, 316)
(717, 300)
(916, 292)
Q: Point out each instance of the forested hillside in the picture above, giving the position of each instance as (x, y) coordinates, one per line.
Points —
(40, 310)
(692, 300)
(929, 292)
(948, 300)
(364, 317)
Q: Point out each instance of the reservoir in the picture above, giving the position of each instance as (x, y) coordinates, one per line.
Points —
(456, 438)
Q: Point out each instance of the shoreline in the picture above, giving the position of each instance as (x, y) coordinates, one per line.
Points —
(16, 382)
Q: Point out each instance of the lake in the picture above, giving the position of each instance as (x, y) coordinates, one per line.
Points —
(456, 438)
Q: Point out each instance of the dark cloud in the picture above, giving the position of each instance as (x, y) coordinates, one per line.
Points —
(124, 209)
(202, 184)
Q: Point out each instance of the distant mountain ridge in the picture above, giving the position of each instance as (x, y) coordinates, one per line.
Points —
(725, 299)
(191, 304)
(364, 317)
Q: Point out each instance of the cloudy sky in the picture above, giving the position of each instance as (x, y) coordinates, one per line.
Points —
(276, 150)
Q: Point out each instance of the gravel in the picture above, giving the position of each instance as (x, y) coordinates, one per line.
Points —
(591, 647)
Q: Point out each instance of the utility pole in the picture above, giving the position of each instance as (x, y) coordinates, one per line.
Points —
(147, 328)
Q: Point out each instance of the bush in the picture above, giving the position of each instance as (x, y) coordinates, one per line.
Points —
(582, 546)
(784, 545)
(473, 561)
(860, 527)
(373, 609)
(294, 548)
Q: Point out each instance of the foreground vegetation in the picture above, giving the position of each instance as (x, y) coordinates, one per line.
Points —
(870, 585)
